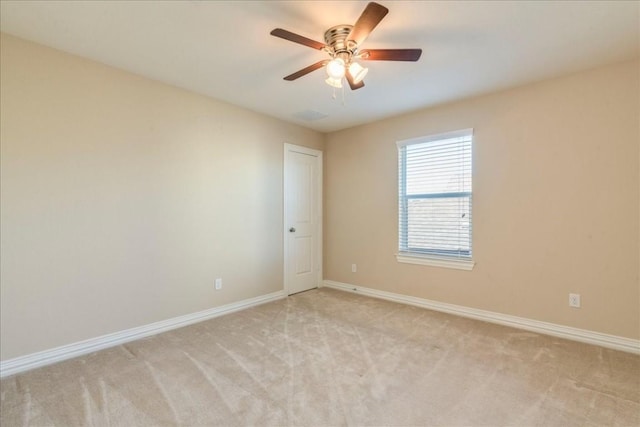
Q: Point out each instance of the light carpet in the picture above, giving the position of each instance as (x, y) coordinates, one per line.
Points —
(325, 358)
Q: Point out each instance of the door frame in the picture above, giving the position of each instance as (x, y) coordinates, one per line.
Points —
(288, 148)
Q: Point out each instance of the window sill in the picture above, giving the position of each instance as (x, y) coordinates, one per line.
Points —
(458, 264)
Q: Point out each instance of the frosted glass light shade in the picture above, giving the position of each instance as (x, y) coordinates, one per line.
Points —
(334, 82)
(335, 68)
(357, 71)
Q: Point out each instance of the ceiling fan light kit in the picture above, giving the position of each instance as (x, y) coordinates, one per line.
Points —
(342, 43)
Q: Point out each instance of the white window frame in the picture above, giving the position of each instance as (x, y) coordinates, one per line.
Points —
(414, 257)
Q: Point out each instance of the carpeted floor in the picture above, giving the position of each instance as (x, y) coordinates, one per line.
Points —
(325, 358)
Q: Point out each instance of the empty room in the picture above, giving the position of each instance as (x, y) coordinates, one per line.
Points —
(319, 213)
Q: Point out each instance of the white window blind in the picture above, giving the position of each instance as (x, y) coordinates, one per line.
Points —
(435, 196)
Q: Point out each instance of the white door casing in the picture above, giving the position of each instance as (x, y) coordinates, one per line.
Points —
(302, 218)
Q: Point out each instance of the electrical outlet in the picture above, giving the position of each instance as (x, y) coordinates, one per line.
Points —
(574, 300)
(218, 284)
(354, 268)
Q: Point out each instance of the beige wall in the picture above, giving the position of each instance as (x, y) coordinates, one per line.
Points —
(555, 205)
(123, 199)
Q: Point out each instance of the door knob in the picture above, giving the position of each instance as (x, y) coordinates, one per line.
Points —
(292, 230)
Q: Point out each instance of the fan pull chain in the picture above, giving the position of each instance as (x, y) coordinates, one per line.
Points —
(334, 95)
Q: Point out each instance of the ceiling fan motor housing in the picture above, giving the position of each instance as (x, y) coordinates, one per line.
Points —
(336, 39)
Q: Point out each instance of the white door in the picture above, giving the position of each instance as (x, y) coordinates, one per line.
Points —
(302, 218)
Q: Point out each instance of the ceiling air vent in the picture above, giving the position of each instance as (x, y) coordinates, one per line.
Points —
(310, 115)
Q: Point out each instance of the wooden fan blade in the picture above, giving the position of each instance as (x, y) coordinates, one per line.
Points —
(296, 38)
(352, 84)
(306, 70)
(391, 54)
(371, 16)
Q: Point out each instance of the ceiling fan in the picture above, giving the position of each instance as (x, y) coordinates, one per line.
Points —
(342, 43)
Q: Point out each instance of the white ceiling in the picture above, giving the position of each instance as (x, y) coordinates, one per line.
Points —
(223, 48)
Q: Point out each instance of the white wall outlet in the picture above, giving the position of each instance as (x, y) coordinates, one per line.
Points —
(218, 284)
(354, 268)
(574, 300)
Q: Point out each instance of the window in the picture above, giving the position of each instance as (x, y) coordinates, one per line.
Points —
(435, 200)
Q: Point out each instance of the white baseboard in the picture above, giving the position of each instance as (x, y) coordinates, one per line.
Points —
(567, 332)
(58, 354)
